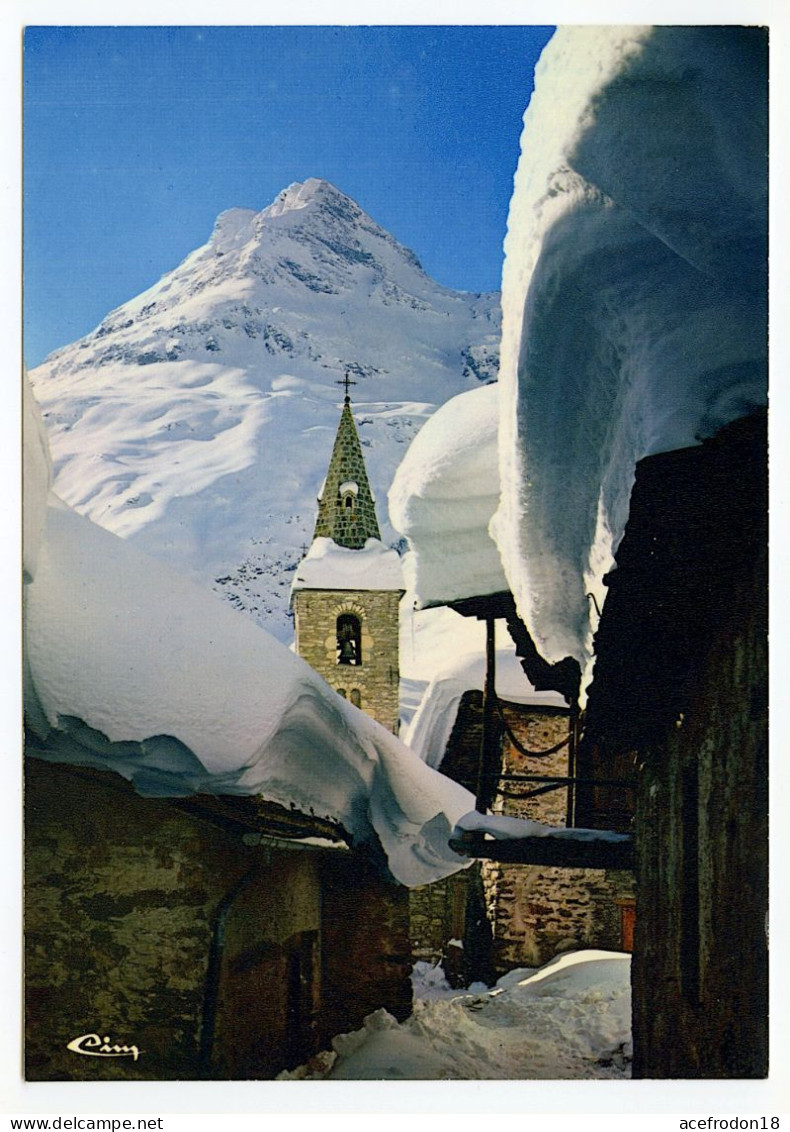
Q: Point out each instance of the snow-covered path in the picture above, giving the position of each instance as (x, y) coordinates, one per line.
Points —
(570, 1020)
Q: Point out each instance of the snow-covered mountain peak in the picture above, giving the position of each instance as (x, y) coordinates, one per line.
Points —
(300, 194)
(317, 213)
(198, 417)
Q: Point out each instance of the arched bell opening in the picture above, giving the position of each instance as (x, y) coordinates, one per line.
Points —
(349, 639)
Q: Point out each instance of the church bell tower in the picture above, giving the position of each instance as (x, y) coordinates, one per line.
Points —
(348, 586)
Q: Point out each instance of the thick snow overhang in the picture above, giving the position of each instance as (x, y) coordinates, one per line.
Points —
(442, 499)
(131, 668)
(634, 292)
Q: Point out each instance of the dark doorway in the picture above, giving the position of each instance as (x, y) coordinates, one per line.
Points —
(300, 978)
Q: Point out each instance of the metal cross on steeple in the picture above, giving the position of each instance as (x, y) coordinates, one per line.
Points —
(346, 381)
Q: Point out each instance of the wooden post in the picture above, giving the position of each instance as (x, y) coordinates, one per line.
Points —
(489, 754)
(573, 723)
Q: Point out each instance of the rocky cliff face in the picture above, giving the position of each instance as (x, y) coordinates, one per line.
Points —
(198, 418)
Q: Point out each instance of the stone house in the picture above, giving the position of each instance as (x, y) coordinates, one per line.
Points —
(181, 922)
(204, 937)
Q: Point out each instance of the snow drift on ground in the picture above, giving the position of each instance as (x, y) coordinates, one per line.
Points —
(433, 722)
(569, 1020)
(198, 418)
(442, 497)
(634, 292)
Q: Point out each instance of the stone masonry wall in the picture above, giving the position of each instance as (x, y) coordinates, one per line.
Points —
(376, 679)
(681, 686)
(538, 911)
(124, 898)
(437, 916)
(534, 911)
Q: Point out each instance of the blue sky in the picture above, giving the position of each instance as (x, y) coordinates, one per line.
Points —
(136, 138)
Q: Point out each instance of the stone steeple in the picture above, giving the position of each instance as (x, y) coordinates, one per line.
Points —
(346, 510)
(346, 595)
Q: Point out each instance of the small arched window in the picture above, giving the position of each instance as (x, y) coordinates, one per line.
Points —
(356, 698)
(342, 693)
(347, 494)
(349, 639)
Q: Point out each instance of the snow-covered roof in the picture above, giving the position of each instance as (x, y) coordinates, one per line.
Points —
(131, 667)
(443, 496)
(430, 730)
(634, 292)
(327, 566)
(143, 672)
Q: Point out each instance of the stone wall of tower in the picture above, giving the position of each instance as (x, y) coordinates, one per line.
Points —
(376, 678)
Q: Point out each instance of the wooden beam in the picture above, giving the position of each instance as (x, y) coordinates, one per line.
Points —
(563, 852)
(490, 765)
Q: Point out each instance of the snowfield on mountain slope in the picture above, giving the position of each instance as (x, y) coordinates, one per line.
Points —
(198, 418)
(569, 1020)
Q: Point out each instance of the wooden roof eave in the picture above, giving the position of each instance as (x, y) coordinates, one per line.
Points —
(563, 677)
(251, 817)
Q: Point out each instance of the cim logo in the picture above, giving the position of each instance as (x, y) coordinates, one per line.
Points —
(92, 1045)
